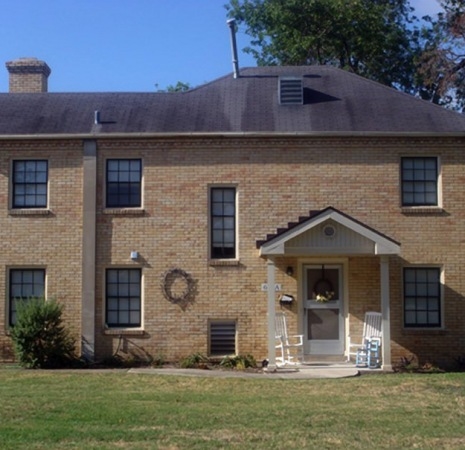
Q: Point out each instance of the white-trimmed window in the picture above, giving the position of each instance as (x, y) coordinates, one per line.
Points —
(223, 216)
(422, 297)
(420, 181)
(123, 183)
(30, 180)
(123, 298)
(24, 284)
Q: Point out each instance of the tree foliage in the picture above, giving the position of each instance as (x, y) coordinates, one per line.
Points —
(180, 86)
(442, 63)
(39, 337)
(372, 38)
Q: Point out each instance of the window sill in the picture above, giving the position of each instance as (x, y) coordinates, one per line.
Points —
(224, 262)
(29, 212)
(124, 211)
(123, 332)
(422, 210)
(424, 331)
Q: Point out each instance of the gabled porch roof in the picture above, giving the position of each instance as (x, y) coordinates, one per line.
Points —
(308, 236)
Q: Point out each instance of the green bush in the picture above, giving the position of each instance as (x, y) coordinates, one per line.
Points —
(194, 361)
(39, 337)
(239, 362)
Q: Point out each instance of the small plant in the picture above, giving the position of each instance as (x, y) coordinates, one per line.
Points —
(158, 360)
(406, 364)
(410, 365)
(429, 368)
(39, 337)
(239, 362)
(194, 361)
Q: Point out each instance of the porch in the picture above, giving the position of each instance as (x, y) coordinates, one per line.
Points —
(323, 248)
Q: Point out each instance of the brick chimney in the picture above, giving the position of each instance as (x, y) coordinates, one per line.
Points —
(28, 75)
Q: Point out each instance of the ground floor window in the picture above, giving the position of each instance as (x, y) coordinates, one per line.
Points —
(123, 298)
(24, 284)
(222, 337)
(422, 297)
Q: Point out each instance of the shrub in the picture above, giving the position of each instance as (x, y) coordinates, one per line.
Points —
(239, 362)
(40, 339)
(194, 361)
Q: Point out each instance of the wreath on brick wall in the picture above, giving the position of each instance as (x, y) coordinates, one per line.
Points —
(178, 287)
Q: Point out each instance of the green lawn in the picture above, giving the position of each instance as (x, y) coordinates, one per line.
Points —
(108, 410)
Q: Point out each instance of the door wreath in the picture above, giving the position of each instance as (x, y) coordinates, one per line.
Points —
(178, 286)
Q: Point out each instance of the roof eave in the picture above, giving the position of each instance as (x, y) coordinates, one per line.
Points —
(234, 134)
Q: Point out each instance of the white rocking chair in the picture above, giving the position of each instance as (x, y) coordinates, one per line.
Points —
(372, 332)
(290, 346)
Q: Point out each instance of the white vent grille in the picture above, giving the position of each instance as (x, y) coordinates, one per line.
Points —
(222, 338)
(291, 91)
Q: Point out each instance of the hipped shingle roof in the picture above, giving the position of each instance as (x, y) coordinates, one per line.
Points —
(334, 101)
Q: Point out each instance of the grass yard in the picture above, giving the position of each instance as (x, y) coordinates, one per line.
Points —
(108, 410)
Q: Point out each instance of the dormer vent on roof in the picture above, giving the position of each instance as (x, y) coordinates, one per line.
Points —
(291, 91)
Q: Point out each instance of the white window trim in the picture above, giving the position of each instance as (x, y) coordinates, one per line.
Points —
(8, 289)
(423, 208)
(223, 261)
(12, 210)
(123, 330)
(128, 209)
(441, 326)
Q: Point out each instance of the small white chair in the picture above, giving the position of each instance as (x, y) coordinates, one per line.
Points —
(291, 347)
(372, 331)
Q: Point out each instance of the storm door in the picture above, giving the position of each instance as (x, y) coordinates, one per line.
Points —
(323, 309)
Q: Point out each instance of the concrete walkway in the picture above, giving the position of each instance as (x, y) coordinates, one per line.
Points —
(302, 372)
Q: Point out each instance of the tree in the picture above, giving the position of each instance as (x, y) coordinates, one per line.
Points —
(180, 86)
(373, 38)
(442, 63)
(39, 337)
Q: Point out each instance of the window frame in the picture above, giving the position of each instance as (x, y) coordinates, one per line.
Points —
(12, 299)
(119, 298)
(418, 182)
(119, 204)
(428, 298)
(214, 256)
(15, 185)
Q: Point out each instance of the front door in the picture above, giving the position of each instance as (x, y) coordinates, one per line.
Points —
(323, 309)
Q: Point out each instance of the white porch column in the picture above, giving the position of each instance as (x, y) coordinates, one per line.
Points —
(271, 315)
(386, 314)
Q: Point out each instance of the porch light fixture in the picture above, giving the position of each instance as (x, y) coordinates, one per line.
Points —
(290, 271)
(134, 256)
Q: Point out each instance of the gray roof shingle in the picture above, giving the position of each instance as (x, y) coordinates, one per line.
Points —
(334, 101)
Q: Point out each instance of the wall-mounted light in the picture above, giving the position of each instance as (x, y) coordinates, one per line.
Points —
(134, 256)
(290, 271)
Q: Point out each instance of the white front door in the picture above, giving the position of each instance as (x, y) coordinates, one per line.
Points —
(323, 309)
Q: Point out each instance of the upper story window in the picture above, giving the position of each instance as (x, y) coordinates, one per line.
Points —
(420, 181)
(223, 222)
(24, 284)
(123, 188)
(123, 298)
(422, 297)
(30, 178)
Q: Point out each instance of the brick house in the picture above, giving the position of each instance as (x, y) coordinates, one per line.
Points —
(172, 223)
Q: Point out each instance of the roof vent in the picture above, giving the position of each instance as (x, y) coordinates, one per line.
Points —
(291, 91)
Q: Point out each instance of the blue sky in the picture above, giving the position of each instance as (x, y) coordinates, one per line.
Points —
(125, 45)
